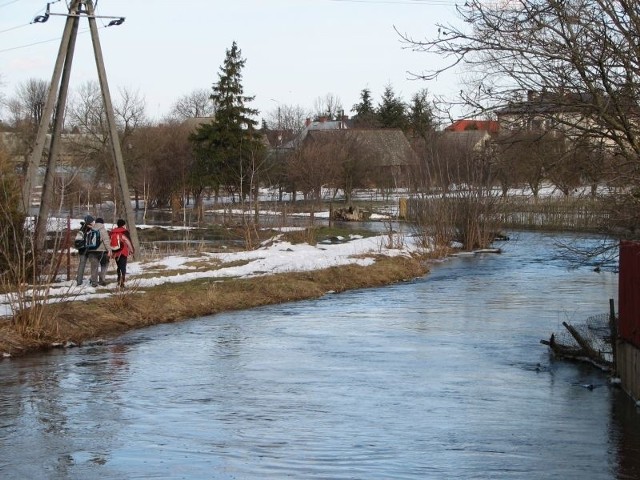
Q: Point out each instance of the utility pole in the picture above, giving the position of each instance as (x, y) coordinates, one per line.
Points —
(58, 95)
(121, 174)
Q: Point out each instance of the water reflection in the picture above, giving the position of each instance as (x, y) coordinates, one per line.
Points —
(442, 377)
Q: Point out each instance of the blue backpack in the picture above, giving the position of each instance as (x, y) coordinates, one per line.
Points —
(93, 239)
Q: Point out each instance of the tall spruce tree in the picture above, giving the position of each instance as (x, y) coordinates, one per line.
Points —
(366, 116)
(392, 111)
(420, 115)
(228, 149)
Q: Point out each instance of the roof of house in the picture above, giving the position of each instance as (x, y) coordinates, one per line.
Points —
(542, 103)
(491, 126)
(279, 138)
(310, 126)
(468, 139)
(387, 147)
(194, 122)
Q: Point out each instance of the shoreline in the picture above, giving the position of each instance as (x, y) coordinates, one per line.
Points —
(73, 323)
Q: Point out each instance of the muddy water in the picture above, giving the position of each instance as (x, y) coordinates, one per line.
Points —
(440, 378)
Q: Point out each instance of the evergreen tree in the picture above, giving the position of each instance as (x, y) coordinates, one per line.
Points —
(392, 111)
(366, 116)
(229, 148)
(420, 115)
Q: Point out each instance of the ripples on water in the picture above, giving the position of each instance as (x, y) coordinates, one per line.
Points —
(438, 378)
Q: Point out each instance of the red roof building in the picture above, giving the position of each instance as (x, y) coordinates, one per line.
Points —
(490, 126)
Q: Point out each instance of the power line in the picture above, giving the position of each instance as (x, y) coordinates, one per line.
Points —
(8, 3)
(14, 28)
(41, 42)
(114, 22)
(18, 26)
(29, 45)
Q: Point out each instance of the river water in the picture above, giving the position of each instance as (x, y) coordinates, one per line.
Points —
(439, 378)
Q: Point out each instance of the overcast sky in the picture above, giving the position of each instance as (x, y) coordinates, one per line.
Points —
(295, 50)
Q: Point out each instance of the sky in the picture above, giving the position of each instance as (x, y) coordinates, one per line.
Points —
(295, 50)
(274, 256)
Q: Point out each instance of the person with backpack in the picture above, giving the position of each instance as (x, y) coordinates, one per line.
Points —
(121, 248)
(98, 251)
(80, 243)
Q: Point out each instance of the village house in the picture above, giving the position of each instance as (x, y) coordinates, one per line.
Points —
(490, 126)
(572, 115)
(387, 152)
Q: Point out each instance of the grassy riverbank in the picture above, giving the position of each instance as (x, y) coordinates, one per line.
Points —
(100, 318)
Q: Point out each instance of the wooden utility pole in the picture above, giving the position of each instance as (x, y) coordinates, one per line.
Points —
(58, 95)
(121, 174)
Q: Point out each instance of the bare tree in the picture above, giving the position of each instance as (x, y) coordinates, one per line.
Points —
(32, 96)
(86, 112)
(160, 157)
(194, 105)
(11, 221)
(2, 94)
(130, 111)
(15, 114)
(25, 110)
(329, 106)
(86, 117)
(344, 154)
(582, 56)
(287, 120)
(312, 167)
(465, 208)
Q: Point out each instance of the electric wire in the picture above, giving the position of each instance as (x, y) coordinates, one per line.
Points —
(25, 24)
(391, 2)
(57, 39)
(14, 28)
(8, 3)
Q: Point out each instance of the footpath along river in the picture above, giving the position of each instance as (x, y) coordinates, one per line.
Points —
(439, 378)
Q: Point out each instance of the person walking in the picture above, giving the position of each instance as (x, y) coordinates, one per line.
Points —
(81, 245)
(98, 255)
(121, 249)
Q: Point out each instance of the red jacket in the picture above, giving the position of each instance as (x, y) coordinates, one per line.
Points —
(125, 242)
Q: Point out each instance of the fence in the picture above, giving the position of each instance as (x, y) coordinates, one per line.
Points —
(544, 213)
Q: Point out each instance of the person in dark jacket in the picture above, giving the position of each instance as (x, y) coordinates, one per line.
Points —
(81, 239)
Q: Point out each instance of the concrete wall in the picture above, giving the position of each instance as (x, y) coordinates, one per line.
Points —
(628, 368)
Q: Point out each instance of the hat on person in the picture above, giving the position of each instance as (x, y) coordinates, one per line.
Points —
(99, 220)
(88, 219)
(121, 223)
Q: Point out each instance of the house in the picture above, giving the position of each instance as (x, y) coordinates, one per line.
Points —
(192, 123)
(322, 124)
(573, 114)
(387, 152)
(466, 141)
(490, 126)
(73, 147)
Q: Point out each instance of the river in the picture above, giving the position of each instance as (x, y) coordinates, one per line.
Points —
(442, 377)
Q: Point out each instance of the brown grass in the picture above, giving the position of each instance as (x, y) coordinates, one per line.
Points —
(81, 321)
